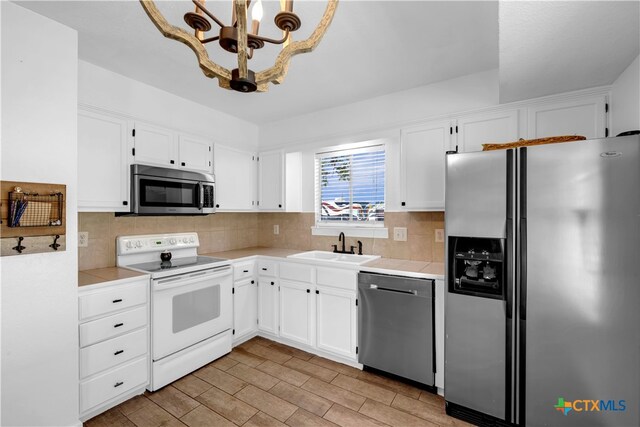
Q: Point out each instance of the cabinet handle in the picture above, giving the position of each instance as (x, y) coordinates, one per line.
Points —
(117, 325)
(118, 352)
(317, 292)
(308, 291)
(115, 301)
(264, 268)
(172, 162)
(217, 205)
(272, 283)
(118, 384)
(125, 203)
(253, 281)
(404, 203)
(183, 164)
(245, 271)
(279, 206)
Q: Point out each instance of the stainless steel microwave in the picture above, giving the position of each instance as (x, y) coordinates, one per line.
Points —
(163, 191)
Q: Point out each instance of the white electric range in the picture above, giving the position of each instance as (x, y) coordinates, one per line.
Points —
(191, 302)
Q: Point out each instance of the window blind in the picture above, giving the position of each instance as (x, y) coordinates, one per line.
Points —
(350, 186)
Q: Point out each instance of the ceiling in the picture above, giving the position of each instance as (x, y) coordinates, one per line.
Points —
(553, 47)
(372, 48)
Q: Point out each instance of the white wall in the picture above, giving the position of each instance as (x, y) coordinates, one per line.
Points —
(378, 118)
(449, 96)
(625, 100)
(105, 89)
(39, 291)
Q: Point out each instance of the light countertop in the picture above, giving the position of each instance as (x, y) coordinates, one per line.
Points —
(108, 274)
(426, 269)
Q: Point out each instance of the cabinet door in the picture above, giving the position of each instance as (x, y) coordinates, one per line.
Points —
(235, 178)
(271, 177)
(154, 145)
(485, 128)
(336, 318)
(296, 315)
(103, 175)
(268, 305)
(245, 307)
(423, 149)
(584, 117)
(195, 154)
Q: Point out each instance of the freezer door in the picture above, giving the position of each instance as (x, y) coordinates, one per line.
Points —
(476, 194)
(581, 283)
(475, 353)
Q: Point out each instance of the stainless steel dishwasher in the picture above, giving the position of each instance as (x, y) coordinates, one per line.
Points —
(396, 325)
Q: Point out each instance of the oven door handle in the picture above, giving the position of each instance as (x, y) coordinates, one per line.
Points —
(184, 280)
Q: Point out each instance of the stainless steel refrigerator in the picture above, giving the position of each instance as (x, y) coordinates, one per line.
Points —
(542, 310)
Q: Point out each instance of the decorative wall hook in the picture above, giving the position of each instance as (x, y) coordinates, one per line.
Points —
(55, 245)
(19, 248)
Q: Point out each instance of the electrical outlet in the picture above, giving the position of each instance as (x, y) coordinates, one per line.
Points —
(276, 229)
(400, 234)
(439, 235)
(83, 239)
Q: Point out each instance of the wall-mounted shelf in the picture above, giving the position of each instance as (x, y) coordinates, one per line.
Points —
(33, 217)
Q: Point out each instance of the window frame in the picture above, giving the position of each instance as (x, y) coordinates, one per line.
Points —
(353, 228)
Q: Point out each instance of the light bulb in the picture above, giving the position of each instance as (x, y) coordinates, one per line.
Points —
(256, 11)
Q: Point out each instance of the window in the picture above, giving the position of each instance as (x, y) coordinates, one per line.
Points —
(350, 186)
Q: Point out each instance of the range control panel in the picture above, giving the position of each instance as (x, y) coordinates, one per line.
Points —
(156, 242)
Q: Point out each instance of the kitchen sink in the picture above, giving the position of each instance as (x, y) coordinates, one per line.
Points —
(335, 257)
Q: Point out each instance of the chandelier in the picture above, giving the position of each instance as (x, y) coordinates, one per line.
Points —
(237, 38)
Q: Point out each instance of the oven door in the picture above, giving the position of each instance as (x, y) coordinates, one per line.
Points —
(190, 308)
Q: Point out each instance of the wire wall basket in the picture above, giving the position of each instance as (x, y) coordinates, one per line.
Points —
(35, 210)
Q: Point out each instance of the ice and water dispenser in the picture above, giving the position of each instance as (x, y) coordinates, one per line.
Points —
(477, 267)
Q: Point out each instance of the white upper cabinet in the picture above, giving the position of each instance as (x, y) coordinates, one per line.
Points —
(103, 176)
(585, 116)
(422, 151)
(154, 145)
(235, 173)
(485, 128)
(195, 153)
(271, 180)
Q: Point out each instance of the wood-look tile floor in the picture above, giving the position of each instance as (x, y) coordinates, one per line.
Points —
(264, 383)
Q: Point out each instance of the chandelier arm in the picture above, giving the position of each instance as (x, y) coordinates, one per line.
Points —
(210, 39)
(268, 40)
(209, 68)
(241, 17)
(209, 14)
(278, 71)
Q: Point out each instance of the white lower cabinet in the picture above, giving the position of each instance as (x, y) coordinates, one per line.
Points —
(245, 308)
(296, 311)
(268, 305)
(114, 343)
(336, 321)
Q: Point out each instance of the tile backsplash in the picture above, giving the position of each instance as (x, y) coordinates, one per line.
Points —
(219, 232)
(228, 231)
(295, 233)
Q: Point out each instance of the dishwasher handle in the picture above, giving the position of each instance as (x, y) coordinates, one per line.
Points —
(400, 291)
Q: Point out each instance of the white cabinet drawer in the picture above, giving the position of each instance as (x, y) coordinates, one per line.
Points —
(111, 326)
(112, 383)
(337, 278)
(243, 271)
(267, 268)
(112, 299)
(110, 353)
(296, 272)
